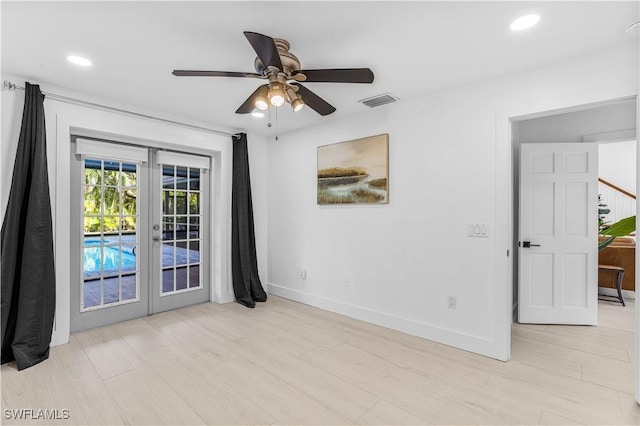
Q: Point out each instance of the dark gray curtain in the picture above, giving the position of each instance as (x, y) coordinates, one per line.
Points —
(28, 276)
(246, 282)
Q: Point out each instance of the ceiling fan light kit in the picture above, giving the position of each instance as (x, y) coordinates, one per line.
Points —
(283, 71)
(276, 95)
(262, 100)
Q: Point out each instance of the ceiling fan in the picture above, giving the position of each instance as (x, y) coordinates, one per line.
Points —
(282, 70)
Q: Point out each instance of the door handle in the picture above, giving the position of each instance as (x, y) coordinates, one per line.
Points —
(156, 238)
(527, 244)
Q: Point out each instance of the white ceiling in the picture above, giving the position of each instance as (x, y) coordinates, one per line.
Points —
(414, 48)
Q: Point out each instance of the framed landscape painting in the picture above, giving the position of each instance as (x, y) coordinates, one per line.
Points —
(354, 172)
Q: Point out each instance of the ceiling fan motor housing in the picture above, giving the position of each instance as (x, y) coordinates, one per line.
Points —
(290, 62)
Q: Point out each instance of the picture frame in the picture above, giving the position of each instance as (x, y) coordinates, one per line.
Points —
(354, 172)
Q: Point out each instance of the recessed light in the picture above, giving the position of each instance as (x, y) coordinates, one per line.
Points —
(79, 60)
(257, 114)
(524, 22)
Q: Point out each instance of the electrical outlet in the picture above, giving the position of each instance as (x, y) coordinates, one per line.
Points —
(303, 274)
(347, 282)
(451, 302)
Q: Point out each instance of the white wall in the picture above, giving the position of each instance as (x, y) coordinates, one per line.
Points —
(579, 126)
(65, 119)
(616, 164)
(450, 165)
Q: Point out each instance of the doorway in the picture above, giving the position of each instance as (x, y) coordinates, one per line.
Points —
(607, 121)
(139, 231)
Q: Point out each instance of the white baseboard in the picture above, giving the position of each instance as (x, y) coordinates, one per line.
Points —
(471, 343)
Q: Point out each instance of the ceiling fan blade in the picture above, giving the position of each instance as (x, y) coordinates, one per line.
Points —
(344, 75)
(314, 101)
(190, 73)
(250, 104)
(266, 49)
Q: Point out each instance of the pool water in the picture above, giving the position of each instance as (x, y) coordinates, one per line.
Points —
(113, 255)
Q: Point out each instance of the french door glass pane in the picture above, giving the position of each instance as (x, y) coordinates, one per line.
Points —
(110, 239)
(181, 218)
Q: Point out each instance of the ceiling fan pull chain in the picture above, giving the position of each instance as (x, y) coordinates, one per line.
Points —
(276, 123)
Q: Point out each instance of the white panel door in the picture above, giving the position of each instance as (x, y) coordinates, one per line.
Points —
(558, 279)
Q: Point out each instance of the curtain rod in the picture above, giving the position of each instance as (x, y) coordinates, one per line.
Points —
(7, 85)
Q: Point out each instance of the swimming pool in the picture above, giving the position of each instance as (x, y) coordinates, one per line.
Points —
(109, 256)
(92, 257)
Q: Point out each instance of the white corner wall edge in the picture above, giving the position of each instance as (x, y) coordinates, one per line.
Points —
(445, 336)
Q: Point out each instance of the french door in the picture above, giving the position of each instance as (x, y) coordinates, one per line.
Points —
(139, 232)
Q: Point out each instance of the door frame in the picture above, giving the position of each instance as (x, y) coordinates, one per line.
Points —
(75, 120)
(507, 211)
(150, 299)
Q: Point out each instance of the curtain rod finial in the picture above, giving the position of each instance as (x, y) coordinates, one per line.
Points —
(7, 85)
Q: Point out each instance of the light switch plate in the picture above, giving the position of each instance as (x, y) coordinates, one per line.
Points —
(478, 230)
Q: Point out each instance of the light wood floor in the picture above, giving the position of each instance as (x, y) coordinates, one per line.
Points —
(288, 363)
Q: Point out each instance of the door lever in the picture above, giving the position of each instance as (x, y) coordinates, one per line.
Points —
(527, 244)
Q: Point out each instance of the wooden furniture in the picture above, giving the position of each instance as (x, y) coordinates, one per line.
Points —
(619, 272)
(621, 252)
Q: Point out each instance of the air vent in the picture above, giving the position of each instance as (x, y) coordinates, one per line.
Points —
(376, 101)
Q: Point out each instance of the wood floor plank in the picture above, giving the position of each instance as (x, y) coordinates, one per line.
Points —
(579, 357)
(385, 413)
(621, 381)
(549, 418)
(342, 396)
(629, 405)
(548, 362)
(287, 363)
(277, 397)
(143, 397)
(419, 361)
(140, 336)
(108, 352)
(429, 396)
(576, 341)
(567, 402)
(203, 390)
